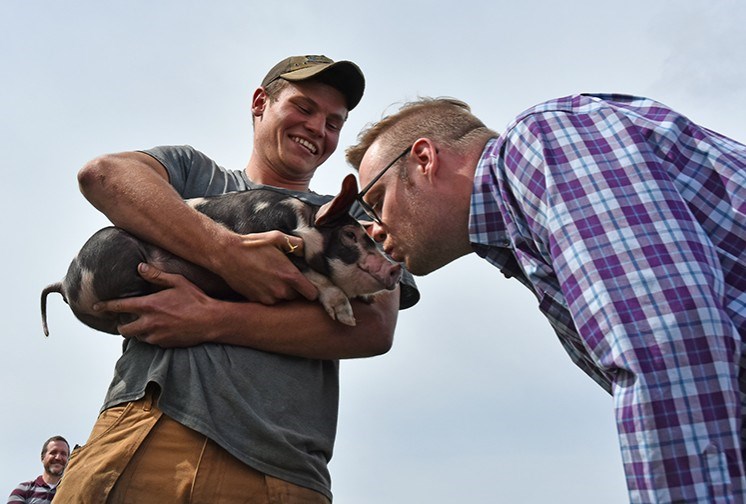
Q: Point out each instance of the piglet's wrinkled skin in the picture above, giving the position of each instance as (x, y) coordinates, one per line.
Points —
(340, 259)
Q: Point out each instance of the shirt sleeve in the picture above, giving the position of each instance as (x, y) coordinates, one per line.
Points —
(20, 493)
(595, 206)
(192, 174)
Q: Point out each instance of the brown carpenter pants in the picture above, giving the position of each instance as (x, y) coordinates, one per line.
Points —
(136, 454)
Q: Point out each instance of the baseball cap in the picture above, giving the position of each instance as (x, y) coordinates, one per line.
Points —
(345, 76)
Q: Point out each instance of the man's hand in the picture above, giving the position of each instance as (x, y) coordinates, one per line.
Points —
(181, 315)
(258, 268)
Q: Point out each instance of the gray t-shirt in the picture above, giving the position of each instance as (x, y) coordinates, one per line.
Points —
(275, 413)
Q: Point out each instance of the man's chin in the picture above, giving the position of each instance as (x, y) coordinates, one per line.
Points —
(417, 268)
(422, 268)
(56, 470)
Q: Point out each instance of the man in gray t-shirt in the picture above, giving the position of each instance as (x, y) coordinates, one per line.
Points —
(248, 391)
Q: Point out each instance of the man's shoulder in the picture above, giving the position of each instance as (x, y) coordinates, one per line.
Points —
(38, 481)
(25, 488)
(185, 150)
(177, 155)
(194, 174)
(585, 102)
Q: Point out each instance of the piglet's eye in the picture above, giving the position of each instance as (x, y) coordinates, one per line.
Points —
(351, 235)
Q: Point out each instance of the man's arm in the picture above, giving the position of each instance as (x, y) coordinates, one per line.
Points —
(132, 190)
(182, 315)
(20, 493)
(645, 289)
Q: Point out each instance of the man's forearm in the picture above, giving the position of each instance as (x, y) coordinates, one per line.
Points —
(304, 329)
(133, 191)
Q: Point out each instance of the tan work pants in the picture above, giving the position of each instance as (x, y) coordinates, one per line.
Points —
(136, 454)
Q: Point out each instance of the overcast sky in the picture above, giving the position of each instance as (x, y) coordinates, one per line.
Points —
(476, 402)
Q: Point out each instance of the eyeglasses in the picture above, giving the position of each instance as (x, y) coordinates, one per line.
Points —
(369, 209)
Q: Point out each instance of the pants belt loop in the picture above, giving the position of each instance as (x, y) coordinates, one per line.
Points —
(151, 393)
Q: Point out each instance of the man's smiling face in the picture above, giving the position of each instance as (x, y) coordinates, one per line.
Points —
(299, 129)
(55, 458)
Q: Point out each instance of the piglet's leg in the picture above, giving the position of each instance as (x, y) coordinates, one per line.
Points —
(332, 298)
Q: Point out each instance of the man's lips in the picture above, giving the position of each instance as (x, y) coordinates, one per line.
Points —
(391, 252)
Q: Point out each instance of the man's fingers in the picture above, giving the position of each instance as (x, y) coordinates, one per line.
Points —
(115, 305)
(305, 288)
(291, 245)
(157, 276)
(294, 245)
(132, 330)
(131, 305)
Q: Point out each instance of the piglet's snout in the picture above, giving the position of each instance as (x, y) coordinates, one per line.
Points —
(383, 270)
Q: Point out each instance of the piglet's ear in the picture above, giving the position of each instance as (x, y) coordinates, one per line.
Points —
(340, 205)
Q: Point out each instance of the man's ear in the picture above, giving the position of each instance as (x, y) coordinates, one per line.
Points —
(259, 102)
(426, 154)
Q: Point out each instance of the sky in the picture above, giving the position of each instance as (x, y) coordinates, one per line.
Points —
(477, 401)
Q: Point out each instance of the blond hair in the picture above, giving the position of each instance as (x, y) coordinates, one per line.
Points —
(444, 120)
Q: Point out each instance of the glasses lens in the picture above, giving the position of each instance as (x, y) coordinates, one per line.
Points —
(369, 211)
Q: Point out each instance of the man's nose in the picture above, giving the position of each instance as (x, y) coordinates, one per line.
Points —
(316, 124)
(376, 232)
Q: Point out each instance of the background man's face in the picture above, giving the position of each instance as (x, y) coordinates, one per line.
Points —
(55, 458)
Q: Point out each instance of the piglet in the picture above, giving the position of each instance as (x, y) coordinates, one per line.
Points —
(340, 259)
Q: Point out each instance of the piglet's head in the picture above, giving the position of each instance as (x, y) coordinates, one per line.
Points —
(339, 206)
(350, 257)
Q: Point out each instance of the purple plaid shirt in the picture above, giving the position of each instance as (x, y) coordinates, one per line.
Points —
(628, 222)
